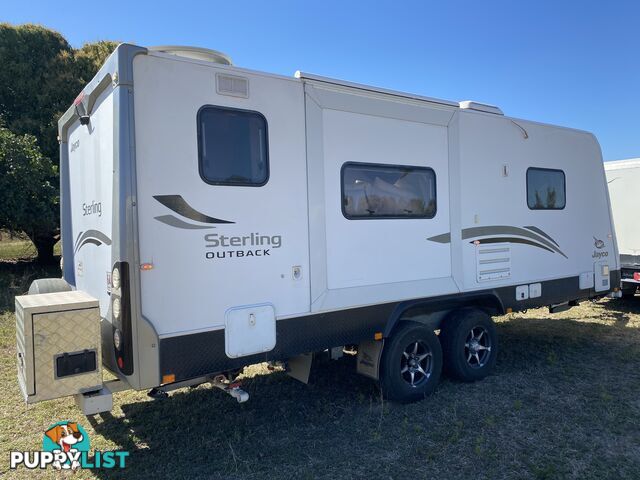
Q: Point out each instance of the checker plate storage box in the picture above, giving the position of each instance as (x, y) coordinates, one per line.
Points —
(58, 345)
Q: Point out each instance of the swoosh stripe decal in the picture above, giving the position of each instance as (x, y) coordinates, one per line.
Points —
(93, 241)
(181, 207)
(96, 237)
(75, 245)
(443, 238)
(176, 222)
(507, 230)
(540, 232)
(480, 232)
(513, 240)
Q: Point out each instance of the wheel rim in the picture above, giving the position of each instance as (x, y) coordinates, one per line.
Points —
(416, 364)
(477, 347)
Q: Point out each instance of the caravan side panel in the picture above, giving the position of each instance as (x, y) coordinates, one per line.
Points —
(361, 261)
(90, 163)
(211, 247)
(536, 242)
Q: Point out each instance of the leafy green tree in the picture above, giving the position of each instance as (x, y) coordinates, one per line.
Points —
(40, 75)
(28, 191)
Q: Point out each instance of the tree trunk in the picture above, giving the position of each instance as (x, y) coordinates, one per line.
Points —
(44, 245)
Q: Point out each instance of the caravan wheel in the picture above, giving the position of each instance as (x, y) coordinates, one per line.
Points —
(469, 344)
(411, 363)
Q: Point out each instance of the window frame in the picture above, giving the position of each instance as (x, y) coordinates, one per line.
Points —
(200, 152)
(564, 186)
(389, 166)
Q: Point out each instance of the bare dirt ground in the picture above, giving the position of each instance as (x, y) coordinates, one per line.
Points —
(564, 402)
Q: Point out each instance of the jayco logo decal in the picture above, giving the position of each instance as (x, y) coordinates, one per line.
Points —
(599, 244)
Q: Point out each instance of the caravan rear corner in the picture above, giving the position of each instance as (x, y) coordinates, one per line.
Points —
(623, 180)
(224, 217)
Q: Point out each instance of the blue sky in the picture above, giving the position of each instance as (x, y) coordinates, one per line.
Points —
(571, 63)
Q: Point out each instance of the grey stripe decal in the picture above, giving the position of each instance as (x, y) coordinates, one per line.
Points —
(443, 238)
(507, 230)
(181, 207)
(95, 237)
(176, 222)
(540, 232)
(475, 232)
(75, 245)
(513, 240)
(93, 241)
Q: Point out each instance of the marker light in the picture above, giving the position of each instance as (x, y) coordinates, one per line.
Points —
(116, 308)
(636, 276)
(115, 278)
(117, 339)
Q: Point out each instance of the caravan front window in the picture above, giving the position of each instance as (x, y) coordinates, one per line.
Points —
(546, 189)
(387, 191)
(232, 147)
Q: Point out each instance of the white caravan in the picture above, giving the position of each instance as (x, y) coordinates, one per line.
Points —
(623, 179)
(224, 217)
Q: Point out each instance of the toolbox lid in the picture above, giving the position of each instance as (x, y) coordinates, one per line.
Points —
(47, 302)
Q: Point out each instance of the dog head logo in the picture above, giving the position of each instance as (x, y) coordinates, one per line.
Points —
(68, 438)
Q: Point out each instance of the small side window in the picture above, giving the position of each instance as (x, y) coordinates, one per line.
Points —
(546, 189)
(387, 191)
(232, 147)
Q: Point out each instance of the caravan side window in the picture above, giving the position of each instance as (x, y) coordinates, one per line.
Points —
(546, 189)
(232, 147)
(387, 191)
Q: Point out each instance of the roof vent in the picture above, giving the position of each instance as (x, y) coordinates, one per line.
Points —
(480, 107)
(203, 54)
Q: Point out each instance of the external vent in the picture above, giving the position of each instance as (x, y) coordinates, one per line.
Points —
(232, 85)
(480, 107)
(493, 261)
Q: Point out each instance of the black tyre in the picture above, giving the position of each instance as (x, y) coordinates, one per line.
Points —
(411, 363)
(469, 345)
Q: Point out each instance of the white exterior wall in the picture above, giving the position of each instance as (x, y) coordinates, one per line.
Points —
(91, 184)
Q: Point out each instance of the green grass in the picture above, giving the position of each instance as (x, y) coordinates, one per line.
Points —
(19, 247)
(564, 402)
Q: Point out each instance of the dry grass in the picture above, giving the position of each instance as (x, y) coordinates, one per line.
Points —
(564, 402)
(17, 247)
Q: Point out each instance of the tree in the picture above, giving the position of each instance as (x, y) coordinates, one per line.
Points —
(28, 192)
(40, 76)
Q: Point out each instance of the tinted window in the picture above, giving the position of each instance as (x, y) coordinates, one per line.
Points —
(545, 189)
(232, 147)
(388, 191)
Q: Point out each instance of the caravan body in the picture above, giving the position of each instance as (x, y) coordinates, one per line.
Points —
(623, 179)
(225, 217)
